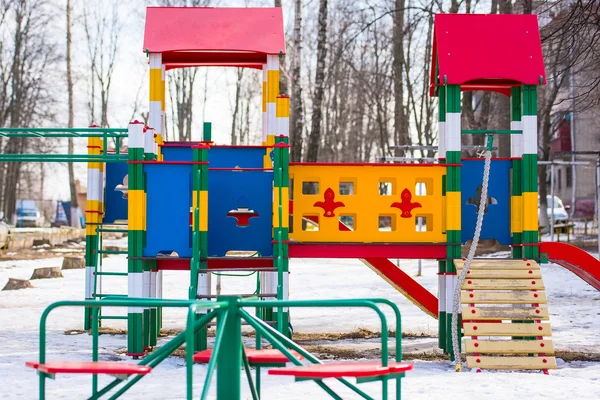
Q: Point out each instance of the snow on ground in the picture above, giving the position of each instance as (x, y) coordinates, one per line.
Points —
(574, 307)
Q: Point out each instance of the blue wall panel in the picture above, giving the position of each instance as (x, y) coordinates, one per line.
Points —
(169, 198)
(230, 190)
(115, 206)
(496, 221)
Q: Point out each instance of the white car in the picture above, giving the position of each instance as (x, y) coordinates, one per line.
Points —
(555, 207)
(4, 231)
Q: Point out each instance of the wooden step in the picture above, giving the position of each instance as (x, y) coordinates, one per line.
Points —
(505, 313)
(498, 264)
(506, 329)
(509, 346)
(491, 362)
(503, 273)
(513, 297)
(502, 284)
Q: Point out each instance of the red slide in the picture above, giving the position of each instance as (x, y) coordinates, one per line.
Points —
(578, 261)
(405, 284)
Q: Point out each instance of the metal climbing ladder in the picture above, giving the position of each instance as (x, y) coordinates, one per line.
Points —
(504, 302)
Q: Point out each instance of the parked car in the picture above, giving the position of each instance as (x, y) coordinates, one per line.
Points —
(29, 218)
(555, 207)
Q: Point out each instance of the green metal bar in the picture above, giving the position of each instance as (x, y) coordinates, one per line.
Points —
(274, 337)
(107, 389)
(491, 131)
(112, 273)
(113, 317)
(95, 325)
(230, 362)
(222, 319)
(323, 303)
(255, 395)
(189, 352)
(161, 353)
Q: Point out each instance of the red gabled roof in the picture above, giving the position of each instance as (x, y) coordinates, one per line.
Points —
(198, 36)
(486, 52)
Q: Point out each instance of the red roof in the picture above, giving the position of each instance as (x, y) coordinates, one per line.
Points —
(487, 52)
(199, 36)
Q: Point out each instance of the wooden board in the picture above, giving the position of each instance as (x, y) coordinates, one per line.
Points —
(509, 346)
(502, 284)
(498, 329)
(490, 362)
(503, 273)
(513, 297)
(498, 264)
(505, 313)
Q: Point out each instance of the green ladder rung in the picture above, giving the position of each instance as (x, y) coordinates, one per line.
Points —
(112, 317)
(112, 252)
(113, 230)
(492, 131)
(111, 273)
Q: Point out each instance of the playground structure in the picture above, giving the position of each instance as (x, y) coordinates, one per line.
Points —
(248, 209)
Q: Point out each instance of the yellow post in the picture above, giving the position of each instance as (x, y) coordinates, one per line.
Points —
(157, 93)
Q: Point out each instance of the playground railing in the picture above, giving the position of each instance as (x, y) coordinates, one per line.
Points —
(229, 311)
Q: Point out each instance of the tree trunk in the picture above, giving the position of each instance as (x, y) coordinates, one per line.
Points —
(317, 113)
(236, 107)
(283, 80)
(72, 186)
(401, 134)
(297, 112)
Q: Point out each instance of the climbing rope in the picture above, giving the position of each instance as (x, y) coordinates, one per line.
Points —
(472, 249)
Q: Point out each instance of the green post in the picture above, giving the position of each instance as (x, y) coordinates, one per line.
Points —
(149, 318)
(442, 263)
(200, 279)
(207, 132)
(453, 202)
(281, 227)
(136, 226)
(516, 208)
(530, 172)
(230, 360)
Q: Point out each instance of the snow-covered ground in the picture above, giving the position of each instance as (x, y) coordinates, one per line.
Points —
(574, 308)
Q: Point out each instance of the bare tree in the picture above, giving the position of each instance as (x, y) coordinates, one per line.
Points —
(283, 78)
(26, 58)
(181, 94)
(236, 106)
(401, 134)
(72, 185)
(297, 113)
(102, 28)
(317, 113)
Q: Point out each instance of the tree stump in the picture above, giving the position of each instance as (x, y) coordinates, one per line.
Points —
(73, 263)
(16, 284)
(47, 273)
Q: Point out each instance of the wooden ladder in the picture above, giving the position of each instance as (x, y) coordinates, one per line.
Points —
(504, 312)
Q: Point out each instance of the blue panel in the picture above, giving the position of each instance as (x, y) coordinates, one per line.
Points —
(178, 153)
(169, 198)
(230, 190)
(220, 157)
(496, 221)
(115, 206)
(231, 157)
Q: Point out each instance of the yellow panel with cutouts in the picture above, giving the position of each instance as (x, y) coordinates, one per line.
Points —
(378, 203)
